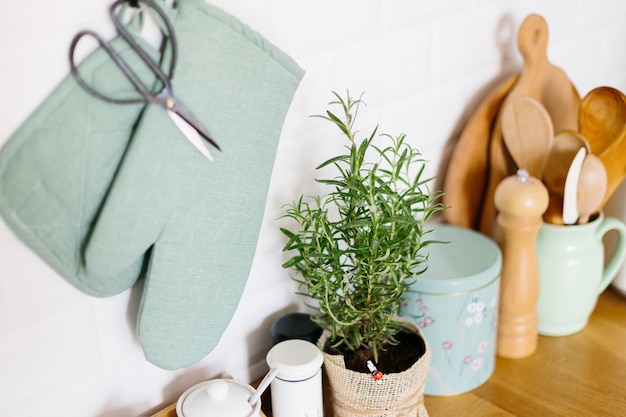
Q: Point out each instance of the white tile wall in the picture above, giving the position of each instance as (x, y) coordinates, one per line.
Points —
(423, 65)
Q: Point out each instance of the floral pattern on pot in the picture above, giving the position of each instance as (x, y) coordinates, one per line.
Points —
(461, 329)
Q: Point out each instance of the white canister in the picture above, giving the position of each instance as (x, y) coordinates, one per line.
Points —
(296, 390)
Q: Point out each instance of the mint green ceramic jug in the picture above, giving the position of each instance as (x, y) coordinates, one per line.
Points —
(572, 272)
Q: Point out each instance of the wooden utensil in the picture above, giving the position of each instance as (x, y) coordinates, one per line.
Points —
(570, 190)
(602, 117)
(554, 212)
(564, 148)
(591, 188)
(542, 81)
(602, 121)
(466, 176)
(528, 134)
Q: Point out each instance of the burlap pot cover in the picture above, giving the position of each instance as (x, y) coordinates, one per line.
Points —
(357, 394)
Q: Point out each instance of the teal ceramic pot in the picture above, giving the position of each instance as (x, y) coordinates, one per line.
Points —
(455, 304)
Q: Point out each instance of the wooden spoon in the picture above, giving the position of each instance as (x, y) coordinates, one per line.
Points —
(602, 117)
(564, 148)
(528, 134)
(602, 120)
(542, 81)
(591, 188)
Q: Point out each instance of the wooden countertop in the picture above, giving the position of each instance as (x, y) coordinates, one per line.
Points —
(578, 375)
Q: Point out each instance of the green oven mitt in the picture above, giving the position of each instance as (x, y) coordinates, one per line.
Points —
(197, 220)
(56, 169)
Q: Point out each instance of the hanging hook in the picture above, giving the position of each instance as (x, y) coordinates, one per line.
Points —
(134, 3)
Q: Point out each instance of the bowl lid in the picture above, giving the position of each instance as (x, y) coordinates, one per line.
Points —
(216, 398)
(469, 261)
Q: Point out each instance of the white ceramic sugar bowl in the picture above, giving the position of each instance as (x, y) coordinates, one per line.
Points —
(218, 398)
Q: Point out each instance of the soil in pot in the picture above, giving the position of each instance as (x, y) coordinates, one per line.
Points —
(393, 359)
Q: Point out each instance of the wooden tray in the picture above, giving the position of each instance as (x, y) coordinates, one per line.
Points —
(170, 411)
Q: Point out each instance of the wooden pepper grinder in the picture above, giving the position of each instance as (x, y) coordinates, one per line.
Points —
(521, 201)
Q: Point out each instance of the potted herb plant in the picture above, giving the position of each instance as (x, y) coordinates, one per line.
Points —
(356, 251)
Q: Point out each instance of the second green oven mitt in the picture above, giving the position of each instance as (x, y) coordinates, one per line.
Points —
(198, 221)
(56, 169)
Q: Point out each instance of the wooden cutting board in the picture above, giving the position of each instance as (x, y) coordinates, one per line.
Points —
(467, 173)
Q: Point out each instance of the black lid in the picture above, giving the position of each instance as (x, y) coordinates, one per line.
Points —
(295, 326)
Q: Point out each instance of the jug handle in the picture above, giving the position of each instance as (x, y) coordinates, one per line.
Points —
(619, 255)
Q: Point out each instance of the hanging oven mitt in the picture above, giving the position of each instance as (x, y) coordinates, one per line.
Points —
(198, 221)
(55, 170)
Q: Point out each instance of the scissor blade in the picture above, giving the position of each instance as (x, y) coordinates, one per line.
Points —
(190, 133)
(188, 116)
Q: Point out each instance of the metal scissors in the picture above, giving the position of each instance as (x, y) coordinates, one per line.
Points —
(182, 117)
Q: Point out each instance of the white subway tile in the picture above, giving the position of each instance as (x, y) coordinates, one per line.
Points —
(22, 62)
(21, 414)
(32, 289)
(55, 351)
(253, 13)
(27, 19)
(4, 326)
(311, 26)
(616, 79)
(407, 13)
(596, 14)
(396, 63)
(77, 15)
(568, 55)
(7, 239)
(429, 118)
(266, 270)
(308, 98)
(612, 41)
(130, 390)
(116, 319)
(465, 43)
(313, 93)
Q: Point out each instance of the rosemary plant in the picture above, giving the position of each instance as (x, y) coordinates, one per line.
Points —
(358, 248)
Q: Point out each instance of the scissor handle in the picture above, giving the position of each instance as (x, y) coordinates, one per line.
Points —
(121, 29)
(128, 72)
(121, 63)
